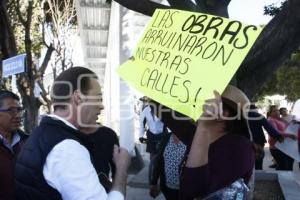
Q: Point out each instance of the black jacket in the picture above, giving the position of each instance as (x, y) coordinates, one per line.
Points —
(256, 124)
(30, 183)
(103, 141)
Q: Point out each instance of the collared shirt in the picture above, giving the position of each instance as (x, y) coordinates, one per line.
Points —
(15, 140)
(154, 124)
(68, 169)
(63, 120)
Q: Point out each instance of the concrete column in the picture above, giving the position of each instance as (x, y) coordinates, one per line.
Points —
(111, 81)
(119, 112)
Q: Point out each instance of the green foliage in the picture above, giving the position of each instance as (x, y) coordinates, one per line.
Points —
(273, 9)
(285, 81)
(19, 29)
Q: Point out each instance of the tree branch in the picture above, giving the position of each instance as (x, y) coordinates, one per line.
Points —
(214, 7)
(44, 24)
(29, 13)
(183, 5)
(53, 11)
(46, 60)
(28, 44)
(217, 7)
(7, 38)
(145, 7)
(17, 7)
(44, 94)
(201, 4)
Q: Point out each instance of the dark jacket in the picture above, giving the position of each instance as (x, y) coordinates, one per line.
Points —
(103, 141)
(7, 167)
(256, 124)
(30, 182)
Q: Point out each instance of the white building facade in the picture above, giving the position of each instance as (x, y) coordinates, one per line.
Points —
(108, 35)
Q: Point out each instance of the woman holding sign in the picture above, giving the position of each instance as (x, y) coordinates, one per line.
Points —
(221, 152)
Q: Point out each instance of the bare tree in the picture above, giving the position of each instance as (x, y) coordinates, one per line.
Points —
(23, 19)
(60, 24)
(58, 27)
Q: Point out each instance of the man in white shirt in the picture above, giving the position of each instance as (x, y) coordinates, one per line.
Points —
(155, 127)
(55, 162)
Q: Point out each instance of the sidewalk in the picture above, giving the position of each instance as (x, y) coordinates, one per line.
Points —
(137, 188)
(137, 185)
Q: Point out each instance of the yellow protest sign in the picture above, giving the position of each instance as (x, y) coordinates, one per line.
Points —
(183, 56)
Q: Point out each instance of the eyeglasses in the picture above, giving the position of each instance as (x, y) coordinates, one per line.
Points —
(13, 110)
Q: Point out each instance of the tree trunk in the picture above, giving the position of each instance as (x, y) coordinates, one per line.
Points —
(7, 40)
(276, 43)
(30, 104)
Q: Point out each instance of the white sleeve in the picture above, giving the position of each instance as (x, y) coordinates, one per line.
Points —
(142, 127)
(69, 170)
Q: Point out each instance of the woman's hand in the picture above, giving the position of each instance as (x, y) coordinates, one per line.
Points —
(291, 136)
(212, 110)
(154, 191)
(205, 132)
(281, 139)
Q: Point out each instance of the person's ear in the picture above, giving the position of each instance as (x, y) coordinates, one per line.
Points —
(77, 97)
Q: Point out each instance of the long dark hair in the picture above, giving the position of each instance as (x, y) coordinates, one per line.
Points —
(271, 108)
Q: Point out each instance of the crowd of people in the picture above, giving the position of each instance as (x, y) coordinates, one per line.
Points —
(70, 156)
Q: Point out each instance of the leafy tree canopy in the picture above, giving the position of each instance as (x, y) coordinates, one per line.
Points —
(19, 28)
(286, 80)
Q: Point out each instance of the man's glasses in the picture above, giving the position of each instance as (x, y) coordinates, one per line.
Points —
(13, 110)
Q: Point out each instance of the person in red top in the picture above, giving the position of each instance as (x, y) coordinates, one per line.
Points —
(283, 161)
